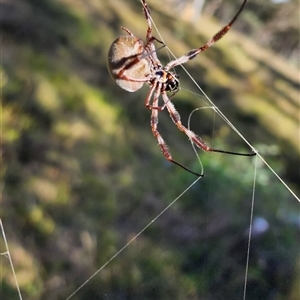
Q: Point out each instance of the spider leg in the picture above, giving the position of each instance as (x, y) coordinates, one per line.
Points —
(161, 143)
(154, 122)
(146, 11)
(127, 30)
(156, 89)
(193, 53)
(149, 37)
(197, 140)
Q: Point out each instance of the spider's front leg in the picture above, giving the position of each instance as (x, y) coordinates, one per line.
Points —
(156, 88)
(154, 122)
(175, 116)
(193, 53)
(197, 140)
(155, 108)
(146, 11)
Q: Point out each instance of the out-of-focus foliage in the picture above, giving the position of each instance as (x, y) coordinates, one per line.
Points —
(82, 173)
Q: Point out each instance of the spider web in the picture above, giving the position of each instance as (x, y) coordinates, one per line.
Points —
(211, 106)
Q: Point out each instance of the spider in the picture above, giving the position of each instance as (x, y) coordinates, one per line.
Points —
(131, 63)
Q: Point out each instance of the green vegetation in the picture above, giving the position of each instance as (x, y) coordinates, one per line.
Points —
(82, 173)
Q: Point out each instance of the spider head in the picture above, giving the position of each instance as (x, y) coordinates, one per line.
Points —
(169, 79)
(172, 82)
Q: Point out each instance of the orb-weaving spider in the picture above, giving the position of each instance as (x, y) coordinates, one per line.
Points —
(131, 63)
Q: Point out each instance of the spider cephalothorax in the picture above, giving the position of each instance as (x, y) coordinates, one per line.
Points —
(172, 82)
(131, 63)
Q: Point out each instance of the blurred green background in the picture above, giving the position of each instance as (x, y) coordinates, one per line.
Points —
(82, 173)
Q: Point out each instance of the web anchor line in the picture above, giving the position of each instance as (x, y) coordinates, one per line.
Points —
(7, 254)
(134, 238)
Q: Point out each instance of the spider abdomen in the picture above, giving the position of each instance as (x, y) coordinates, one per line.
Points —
(127, 62)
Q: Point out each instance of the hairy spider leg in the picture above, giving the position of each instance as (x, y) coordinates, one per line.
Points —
(193, 53)
(146, 11)
(149, 37)
(197, 140)
(149, 97)
(155, 108)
